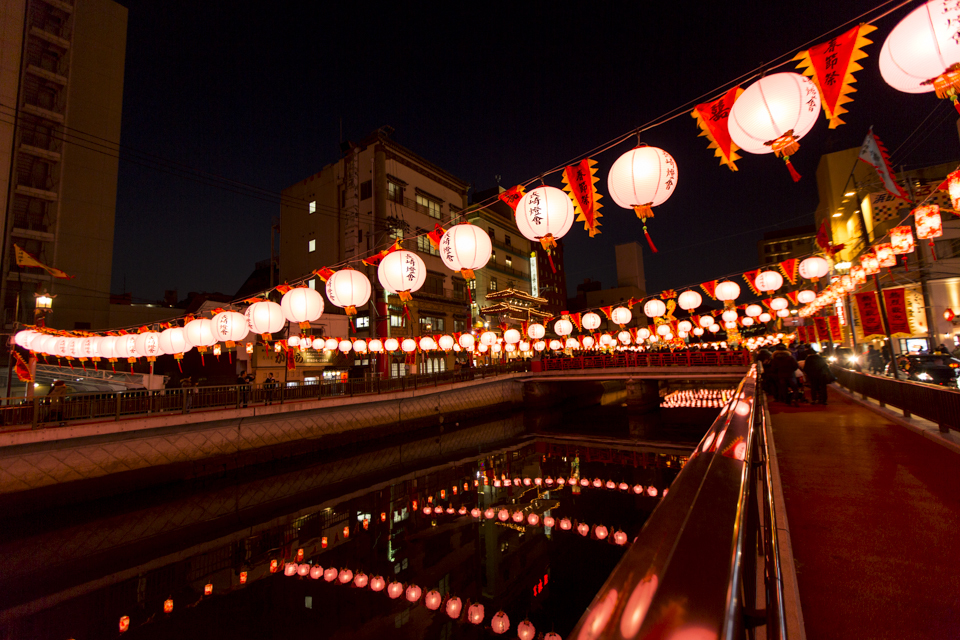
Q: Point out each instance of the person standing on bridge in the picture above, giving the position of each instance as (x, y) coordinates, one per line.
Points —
(783, 367)
(818, 374)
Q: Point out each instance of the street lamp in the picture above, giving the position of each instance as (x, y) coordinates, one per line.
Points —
(44, 303)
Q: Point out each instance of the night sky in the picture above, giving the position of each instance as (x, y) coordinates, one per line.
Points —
(254, 93)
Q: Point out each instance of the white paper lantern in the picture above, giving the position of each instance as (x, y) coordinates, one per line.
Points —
(588, 342)
(511, 336)
(624, 337)
(305, 342)
(697, 331)
(402, 272)
(230, 326)
(753, 310)
(331, 344)
(663, 329)
(621, 316)
(654, 308)
(523, 345)
(391, 344)
(126, 346)
(108, 347)
(544, 214)
(345, 346)
(922, 48)
(467, 341)
(814, 268)
(590, 321)
(768, 281)
(706, 321)
(641, 178)
(806, 296)
(539, 345)
(264, 317)
(408, 345)
(779, 303)
(643, 333)
(714, 328)
(689, 300)
(302, 305)
(446, 342)
(200, 332)
(684, 325)
(465, 247)
(572, 343)
(536, 331)
(348, 289)
(495, 348)
(376, 346)
(783, 313)
(606, 340)
(360, 346)
(488, 338)
(556, 345)
(148, 342)
(730, 315)
(730, 325)
(764, 317)
(73, 348)
(727, 290)
(427, 343)
(173, 341)
(773, 107)
(747, 322)
(563, 327)
(318, 344)
(511, 347)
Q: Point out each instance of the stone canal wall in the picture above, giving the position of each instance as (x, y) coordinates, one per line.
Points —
(177, 447)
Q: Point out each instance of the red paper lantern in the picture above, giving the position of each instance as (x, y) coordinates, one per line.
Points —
(533, 519)
(346, 576)
(953, 188)
(290, 569)
(361, 580)
(453, 607)
(600, 532)
(565, 524)
(549, 521)
(870, 264)
(620, 538)
(377, 583)
(124, 624)
(526, 631)
(475, 613)
(168, 605)
(303, 570)
(432, 600)
(413, 593)
(518, 516)
(583, 529)
(395, 590)
(330, 574)
(901, 240)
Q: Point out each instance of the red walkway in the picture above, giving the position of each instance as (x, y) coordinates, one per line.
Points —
(874, 516)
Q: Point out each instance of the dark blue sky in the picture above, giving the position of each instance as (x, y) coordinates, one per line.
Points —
(255, 92)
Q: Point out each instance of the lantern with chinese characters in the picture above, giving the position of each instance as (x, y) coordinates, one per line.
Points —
(302, 305)
(536, 331)
(402, 272)
(654, 308)
(563, 327)
(590, 321)
(500, 623)
(488, 338)
(773, 114)
(621, 316)
(231, 327)
(643, 178)
(475, 613)
(901, 240)
(465, 247)
(446, 342)
(348, 289)
(814, 268)
(544, 214)
(929, 224)
(264, 317)
(885, 256)
(922, 53)
(768, 281)
(806, 296)
(727, 291)
(689, 300)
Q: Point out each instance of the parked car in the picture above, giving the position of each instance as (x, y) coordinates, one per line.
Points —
(932, 369)
(846, 358)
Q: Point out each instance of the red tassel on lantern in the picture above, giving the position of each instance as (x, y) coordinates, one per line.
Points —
(649, 239)
(793, 172)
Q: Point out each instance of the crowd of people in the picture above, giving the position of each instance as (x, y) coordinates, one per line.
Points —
(787, 370)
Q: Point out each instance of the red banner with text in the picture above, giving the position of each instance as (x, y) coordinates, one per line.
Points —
(871, 325)
(835, 334)
(897, 319)
(823, 333)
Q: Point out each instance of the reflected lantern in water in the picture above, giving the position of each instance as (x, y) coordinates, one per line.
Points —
(500, 623)
(475, 613)
(454, 607)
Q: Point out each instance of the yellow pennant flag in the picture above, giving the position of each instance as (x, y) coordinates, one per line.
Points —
(24, 259)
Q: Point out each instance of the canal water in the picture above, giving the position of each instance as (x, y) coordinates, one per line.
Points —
(525, 513)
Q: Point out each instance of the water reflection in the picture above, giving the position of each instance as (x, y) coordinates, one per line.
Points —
(214, 563)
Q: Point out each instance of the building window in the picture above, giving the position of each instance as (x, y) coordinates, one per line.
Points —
(433, 365)
(312, 283)
(431, 324)
(506, 240)
(509, 261)
(363, 322)
(492, 234)
(459, 325)
(433, 285)
(425, 246)
(394, 192)
(312, 207)
(396, 320)
(311, 246)
(428, 206)
(493, 256)
(366, 190)
(459, 289)
(492, 285)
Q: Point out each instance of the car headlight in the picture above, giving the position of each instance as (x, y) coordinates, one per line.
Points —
(853, 359)
(924, 376)
(832, 359)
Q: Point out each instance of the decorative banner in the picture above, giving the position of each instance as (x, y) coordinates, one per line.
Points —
(580, 181)
(831, 65)
(607, 311)
(24, 259)
(871, 325)
(897, 319)
(374, 260)
(23, 371)
(323, 273)
(512, 196)
(802, 333)
(575, 318)
(710, 288)
(835, 334)
(751, 277)
(766, 303)
(435, 235)
(824, 241)
(823, 333)
(666, 294)
(875, 154)
(792, 297)
(789, 270)
(712, 118)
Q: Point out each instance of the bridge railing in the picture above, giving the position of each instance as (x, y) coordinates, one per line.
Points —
(98, 407)
(692, 572)
(936, 404)
(686, 358)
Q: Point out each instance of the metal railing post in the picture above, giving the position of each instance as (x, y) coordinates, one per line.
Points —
(34, 423)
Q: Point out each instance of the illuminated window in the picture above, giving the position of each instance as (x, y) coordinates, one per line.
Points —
(312, 283)
(312, 207)
(394, 192)
(311, 246)
(492, 286)
(428, 206)
(509, 261)
(363, 322)
(425, 246)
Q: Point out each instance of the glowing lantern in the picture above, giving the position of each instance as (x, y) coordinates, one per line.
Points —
(654, 308)
(727, 290)
(590, 321)
(806, 296)
(556, 345)
(173, 341)
(503, 515)
(571, 343)
(453, 608)
(302, 571)
(290, 569)
(523, 345)
(600, 532)
(536, 331)
(544, 214)
(929, 225)
(230, 326)
(168, 606)
(427, 343)
(330, 344)
(768, 281)
(953, 189)
(302, 305)
(549, 521)
(814, 268)
(489, 513)
(753, 310)
(715, 328)
(488, 338)
(730, 315)
(764, 317)
(348, 289)
(689, 300)
(624, 337)
(511, 336)
(346, 576)
(316, 572)
(446, 342)
(124, 624)
(533, 519)
(563, 327)
(783, 313)
(607, 340)
(413, 593)
(432, 600)
(553, 635)
(583, 529)
(610, 484)
(697, 331)
(779, 303)
(375, 346)
(391, 344)
(747, 322)
(475, 613)
(885, 256)
(465, 247)
(409, 345)
(394, 590)
(773, 114)
(588, 342)
(922, 52)
(621, 316)
(901, 239)
(361, 580)
(652, 491)
(642, 178)
(526, 631)
(638, 489)
(620, 538)
(467, 341)
(377, 583)
(858, 274)
(684, 325)
(706, 321)
(565, 523)
(500, 623)
(517, 516)
(264, 317)
(330, 574)
(199, 333)
(360, 346)
(344, 346)
(483, 348)
(402, 272)
(475, 512)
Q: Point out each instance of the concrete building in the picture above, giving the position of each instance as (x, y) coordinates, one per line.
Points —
(781, 245)
(631, 282)
(379, 192)
(550, 282)
(61, 93)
